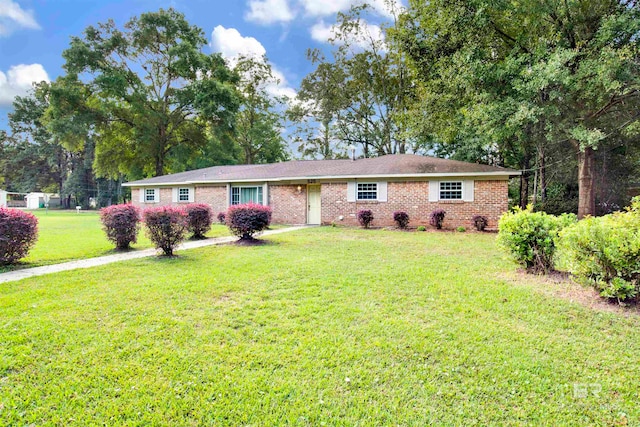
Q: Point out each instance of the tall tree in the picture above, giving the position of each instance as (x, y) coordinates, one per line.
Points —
(258, 122)
(139, 90)
(527, 75)
(361, 95)
(32, 159)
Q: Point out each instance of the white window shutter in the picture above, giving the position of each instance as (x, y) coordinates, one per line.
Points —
(141, 190)
(265, 194)
(156, 195)
(434, 191)
(228, 196)
(174, 195)
(382, 191)
(192, 194)
(467, 191)
(351, 191)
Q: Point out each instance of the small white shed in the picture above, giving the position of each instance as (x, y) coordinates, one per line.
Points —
(34, 200)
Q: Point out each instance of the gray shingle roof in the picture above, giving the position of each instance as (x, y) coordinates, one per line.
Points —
(401, 165)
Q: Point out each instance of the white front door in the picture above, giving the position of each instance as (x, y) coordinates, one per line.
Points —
(313, 201)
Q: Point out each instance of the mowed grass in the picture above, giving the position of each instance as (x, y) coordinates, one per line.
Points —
(67, 235)
(323, 326)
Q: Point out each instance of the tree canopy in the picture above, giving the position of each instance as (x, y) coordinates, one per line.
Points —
(139, 89)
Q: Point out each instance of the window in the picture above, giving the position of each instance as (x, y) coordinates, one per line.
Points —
(183, 194)
(241, 195)
(149, 195)
(367, 191)
(451, 190)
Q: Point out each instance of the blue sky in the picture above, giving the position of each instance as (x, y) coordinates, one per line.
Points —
(33, 33)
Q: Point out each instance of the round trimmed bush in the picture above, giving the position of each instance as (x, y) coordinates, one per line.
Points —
(248, 219)
(221, 217)
(437, 218)
(18, 234)
(401, 219)
(604, 252)
(530, 237)
(480, 222)
(365, 218)
(166, 227)
(121, 223)
(200, 218)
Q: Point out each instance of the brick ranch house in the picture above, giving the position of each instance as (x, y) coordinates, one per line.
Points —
(327, 191)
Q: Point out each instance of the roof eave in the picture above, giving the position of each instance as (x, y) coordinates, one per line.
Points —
(298, 178)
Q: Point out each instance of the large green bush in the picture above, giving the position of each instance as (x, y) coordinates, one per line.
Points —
(529, 237)
(604, 252)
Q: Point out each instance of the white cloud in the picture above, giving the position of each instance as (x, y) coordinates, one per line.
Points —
(280, 88)
(269, 11)
(321, 32)
(368, 35)
(321, 8)
(18, 80)
(233, 45)
(13, 17)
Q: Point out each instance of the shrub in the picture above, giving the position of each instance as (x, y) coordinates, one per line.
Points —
(480, 222)
(166, 227)
(529, 237)
(461, 229)
(121, 224)
(421, 228)
(401, 219)
(365, 217)
(18, 233)
(604, 253)
(221, 217)
(248, 219)
(437, 218)
(199, 219)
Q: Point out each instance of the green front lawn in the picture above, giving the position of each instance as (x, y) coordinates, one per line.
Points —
(323, 326)
(67, 235)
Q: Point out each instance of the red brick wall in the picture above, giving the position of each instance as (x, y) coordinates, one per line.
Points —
(216, 197)
(490, 200)
(166, 198)
(288, 205)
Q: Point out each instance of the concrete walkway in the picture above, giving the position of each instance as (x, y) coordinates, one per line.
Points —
(108, 259)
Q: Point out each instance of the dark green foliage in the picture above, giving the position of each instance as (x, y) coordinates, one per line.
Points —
(529, 237)
(121, 223)
(18, 233)
(148, 93)
(604, 252)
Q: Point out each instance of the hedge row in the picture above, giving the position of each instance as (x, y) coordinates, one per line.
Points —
(603, 252)
(436, 219)
(166, 226)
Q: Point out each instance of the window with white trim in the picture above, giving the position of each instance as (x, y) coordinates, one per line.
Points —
(241, 195)
(183, 194)
(150, 195)
(450, 190)
(367, 191)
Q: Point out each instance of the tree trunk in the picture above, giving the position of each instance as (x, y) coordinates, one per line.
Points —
(524, 183)
(586, 187)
